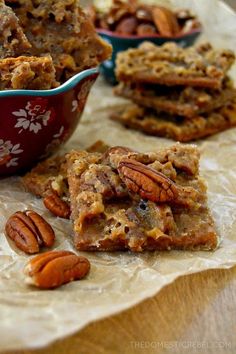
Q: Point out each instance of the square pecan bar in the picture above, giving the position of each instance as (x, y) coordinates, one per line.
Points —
(177, 128)
(13, 41)
(62, 29)
(125, 200)
(27, 73)
(183, 101)
(172, 65)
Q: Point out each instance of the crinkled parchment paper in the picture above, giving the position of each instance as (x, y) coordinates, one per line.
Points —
(33, 318)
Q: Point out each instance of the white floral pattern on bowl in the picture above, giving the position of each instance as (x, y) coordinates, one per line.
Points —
(7, 152)
(35, 123)
(34, 116)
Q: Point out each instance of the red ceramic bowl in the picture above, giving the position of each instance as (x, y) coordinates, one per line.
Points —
(33, 124)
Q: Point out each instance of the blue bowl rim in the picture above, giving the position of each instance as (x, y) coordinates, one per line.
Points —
(151, 36)
(68, 85)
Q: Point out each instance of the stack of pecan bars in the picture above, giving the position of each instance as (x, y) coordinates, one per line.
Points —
(121, 199)
(182, 94)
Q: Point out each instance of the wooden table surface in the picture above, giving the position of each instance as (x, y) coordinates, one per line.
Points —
(195, 314)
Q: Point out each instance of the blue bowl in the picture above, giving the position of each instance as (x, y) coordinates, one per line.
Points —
(121, 43)
(35, 123)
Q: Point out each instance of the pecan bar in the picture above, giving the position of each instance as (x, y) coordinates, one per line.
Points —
(187, 101)
(177, 128)
(13, 42)
(125, 200)
(62, 29)
(172, 65)
(27, 73)
(51, 174)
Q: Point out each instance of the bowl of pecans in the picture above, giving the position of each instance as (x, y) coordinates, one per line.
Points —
(127, 24)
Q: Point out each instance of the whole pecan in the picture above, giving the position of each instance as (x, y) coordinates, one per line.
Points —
(127, 26)
(51, 269)
(165, 21)
(146, 29)
(56, 205)
(147, 182)
(29, 231)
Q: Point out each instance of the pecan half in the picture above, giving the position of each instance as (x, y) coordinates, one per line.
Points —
(165, 21)
(146, 29)
(29, 231)
(56, 205)
(127, 26)
(147, 182)
(51, 269)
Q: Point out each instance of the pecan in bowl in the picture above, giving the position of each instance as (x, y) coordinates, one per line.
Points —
(126, 17)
